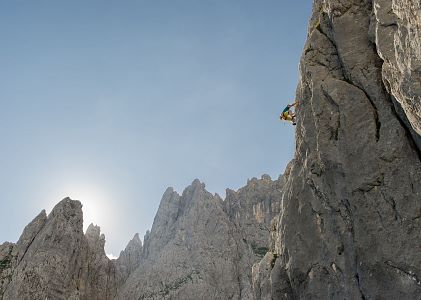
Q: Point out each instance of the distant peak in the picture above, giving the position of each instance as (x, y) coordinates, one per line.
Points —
(135, 242)
(136, 238)
(266, 177)
(196, 182)
(169, 190)
(42, 214)
(93, 230)
(68, 208)
(194, 190)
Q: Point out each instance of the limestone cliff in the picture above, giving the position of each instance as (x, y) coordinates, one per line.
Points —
(253, 210)
(397, 35)
(350, 221)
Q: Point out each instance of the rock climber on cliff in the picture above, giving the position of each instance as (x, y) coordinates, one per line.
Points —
(287, 114)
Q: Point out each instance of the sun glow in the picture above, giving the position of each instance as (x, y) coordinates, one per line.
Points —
(97, 206)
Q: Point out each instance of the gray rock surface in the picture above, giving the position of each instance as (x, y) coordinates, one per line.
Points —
(129, 260)
(54, 259)
(48, 264)
(253, 209)
(192, 252)
(350, 221)
(96, 278)
(398, 41)
(203, 248)
(7, 261)
(261, 272)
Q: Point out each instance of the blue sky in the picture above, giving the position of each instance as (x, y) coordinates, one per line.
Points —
(110, 102)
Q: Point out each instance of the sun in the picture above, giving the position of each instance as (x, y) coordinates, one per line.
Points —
(96, 203)
(92, 200)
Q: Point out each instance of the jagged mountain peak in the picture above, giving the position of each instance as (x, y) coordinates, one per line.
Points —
(136, 239)
(194, 190)
(173, 207)
(134, 245)
(93, 230)
(67, 208)
(95, 239)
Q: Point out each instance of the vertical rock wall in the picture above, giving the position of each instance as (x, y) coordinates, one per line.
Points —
(350, 221)
(397, 35)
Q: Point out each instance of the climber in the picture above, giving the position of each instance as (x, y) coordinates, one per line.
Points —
(287, 114)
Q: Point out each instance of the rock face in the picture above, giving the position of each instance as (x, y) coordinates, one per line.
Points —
(129, 260)
(53, 259)
(253, 210)
(398, 40)
(6, 265)
(46, 262)
(203, 248)
(191, 252)
(350, 221)
(343, 222)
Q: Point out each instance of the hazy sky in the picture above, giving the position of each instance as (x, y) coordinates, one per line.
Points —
(111, 102)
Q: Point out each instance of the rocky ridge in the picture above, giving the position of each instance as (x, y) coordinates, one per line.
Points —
(199, 247)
